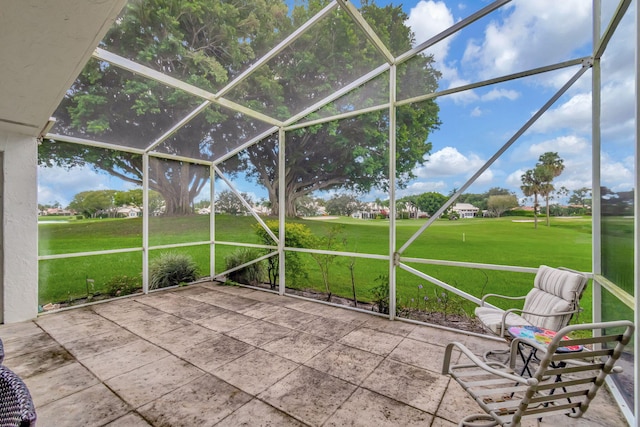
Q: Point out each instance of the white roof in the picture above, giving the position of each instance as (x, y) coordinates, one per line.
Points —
(464, 207)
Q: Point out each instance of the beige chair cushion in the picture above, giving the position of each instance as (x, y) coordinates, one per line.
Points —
(554, 291)
(538, 301)
(491, 318)
(564, 284)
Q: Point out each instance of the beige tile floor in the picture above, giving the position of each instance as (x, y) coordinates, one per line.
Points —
(208, 355)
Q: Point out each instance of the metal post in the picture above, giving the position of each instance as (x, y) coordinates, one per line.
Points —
(212, 221)
(595, 168)
(636, 357)
(392, 192)
(281, 210)
(145, 223)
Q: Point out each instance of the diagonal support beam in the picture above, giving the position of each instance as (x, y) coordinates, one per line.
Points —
(451, 30)
(279, 48)
(150, 73)
(611, 28)
(499, 153)
(357, 17)
(175, 128)
(244, 203)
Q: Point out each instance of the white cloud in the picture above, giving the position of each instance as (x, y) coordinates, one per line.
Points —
(617, 112)
(460, 98)
(423, 187)
(56, 184)
(428, 18)
(476, 112)
(574, 113)
(532, 33)
(449, 162)
(455, 167)
(513, 180)
(495, 94)
(565, 146)
(615, 174)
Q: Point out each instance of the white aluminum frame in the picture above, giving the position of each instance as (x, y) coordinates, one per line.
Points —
(394, 258)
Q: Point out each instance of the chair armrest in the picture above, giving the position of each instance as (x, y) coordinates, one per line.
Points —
(499, 296)
(520, 311)
(477, 362)
(533, 313)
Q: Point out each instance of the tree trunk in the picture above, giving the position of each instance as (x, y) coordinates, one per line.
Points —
(178, 183)
(547, 199)
(290, 202)
(535, 210)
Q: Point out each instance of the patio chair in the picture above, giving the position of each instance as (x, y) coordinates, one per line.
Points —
(550, 304)
(16, 405)
(563, 383)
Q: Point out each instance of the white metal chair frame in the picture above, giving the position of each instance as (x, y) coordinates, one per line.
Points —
(508, 318)
(563, 383)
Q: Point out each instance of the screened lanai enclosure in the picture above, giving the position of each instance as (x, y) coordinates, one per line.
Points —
(223, 131)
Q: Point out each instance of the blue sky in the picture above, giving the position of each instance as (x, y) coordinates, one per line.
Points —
(523, 34)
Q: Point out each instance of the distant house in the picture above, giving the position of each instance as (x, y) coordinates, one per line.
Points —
(128, 212)
(57, 211)
(465, 210)
(370, 210)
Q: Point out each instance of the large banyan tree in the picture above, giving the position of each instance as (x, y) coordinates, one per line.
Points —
(208, 43)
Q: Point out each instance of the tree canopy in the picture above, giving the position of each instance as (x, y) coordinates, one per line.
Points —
(228, 202)
(343, 204)
(207, 43)
(498, 205)
(539, 180)
(94, 203)
(430, 202)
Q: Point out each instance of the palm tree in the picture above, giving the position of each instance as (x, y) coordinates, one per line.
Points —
(552, 166)
(532, 185)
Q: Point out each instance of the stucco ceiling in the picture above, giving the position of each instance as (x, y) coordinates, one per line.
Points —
(44, 46)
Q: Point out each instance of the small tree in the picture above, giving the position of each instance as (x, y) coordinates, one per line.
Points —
(229, 203)
(330, 242)
(430, 202)
(500, 204)
(581, 197)
(532, 182)
(93, 203)
(552, 166)
(296, 236)
(343, 204)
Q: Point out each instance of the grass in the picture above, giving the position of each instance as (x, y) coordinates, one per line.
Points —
(496, 241)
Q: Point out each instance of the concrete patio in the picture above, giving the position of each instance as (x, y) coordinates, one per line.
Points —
(209, 354)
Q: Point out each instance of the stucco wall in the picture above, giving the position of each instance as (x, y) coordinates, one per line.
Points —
(20, 228)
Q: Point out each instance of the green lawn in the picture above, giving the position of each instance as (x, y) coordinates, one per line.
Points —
(495, 241)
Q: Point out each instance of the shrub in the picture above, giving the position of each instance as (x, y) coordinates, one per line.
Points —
(296, 236)
(171, 269)
(249, 275)
(122, 285)
(381, 293)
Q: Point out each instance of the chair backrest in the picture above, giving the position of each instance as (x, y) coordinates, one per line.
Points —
(575, 377)
(555, 290)
(16, 405)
